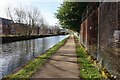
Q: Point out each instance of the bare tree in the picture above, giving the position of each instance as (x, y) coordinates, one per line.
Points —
(30, 16)
(9, 13)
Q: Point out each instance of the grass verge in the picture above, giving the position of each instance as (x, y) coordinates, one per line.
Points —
(87, 69)
(35, 64)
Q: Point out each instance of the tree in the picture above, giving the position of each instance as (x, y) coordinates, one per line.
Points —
(9, 13)
(70, 14)
(30, 16)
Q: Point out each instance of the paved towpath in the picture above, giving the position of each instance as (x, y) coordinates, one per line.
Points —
(63, 64)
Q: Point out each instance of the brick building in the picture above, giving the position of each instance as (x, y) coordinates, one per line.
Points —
(19, 29)
(5, 26)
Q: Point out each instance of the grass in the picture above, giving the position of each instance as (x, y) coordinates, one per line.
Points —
(87, 69)
(35, 64)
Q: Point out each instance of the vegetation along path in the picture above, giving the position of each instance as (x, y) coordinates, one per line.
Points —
(63, 64)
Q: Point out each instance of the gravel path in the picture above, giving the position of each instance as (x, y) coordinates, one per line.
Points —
(63, 64)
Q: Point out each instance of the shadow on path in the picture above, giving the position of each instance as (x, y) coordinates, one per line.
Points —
(63, 64)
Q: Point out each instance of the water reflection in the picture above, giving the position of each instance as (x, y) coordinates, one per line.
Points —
(15, 54)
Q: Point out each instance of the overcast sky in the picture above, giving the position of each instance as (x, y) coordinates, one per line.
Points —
(47, 7)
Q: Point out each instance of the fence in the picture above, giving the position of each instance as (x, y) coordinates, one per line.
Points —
(100, 34)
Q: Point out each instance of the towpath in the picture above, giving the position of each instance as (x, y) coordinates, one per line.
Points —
(63, 64)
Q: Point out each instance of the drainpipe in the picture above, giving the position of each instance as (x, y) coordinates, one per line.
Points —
(98, 39)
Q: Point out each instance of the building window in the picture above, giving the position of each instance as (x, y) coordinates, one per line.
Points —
(0, 25)
(6, 26)
(0, 31)
(116, 36)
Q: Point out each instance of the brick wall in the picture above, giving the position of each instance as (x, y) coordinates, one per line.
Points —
(100, 34)
(6, 29)
(108, 26)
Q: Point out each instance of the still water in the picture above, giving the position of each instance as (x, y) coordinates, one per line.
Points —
(15, 54)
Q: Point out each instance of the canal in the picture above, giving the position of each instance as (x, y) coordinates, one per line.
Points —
(15, 54)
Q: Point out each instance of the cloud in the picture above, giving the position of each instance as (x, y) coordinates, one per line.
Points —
(2, 6)
(49, 17)
(34, 1)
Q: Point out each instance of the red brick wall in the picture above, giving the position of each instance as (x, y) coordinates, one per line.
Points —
(108, 24)
(6, 29)
(105, 22)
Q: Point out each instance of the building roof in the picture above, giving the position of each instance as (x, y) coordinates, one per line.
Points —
(6, 19)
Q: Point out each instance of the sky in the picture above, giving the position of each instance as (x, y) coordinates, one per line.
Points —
(46, 7)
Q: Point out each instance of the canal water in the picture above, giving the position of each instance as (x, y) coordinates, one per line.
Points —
(15, 54)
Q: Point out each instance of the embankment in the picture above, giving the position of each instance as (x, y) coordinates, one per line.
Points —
(8, 39)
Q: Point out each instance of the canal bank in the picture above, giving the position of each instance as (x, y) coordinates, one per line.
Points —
(14, 55)
(7, 39)
(62, 65)
(33, 65)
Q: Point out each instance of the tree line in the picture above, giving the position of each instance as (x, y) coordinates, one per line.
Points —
(30, 16)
